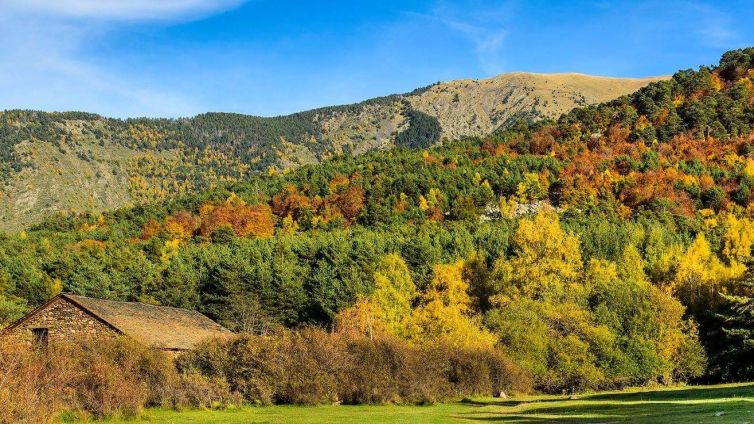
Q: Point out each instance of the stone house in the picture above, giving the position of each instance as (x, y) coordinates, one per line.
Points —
(68, 317)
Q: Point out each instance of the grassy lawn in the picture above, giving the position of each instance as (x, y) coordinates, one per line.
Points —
(733, 404)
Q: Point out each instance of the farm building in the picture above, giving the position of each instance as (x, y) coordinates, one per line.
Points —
(68, 317)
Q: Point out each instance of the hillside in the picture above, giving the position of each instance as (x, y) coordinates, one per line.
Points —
(78, 161)
(614, 244)
(479, 107)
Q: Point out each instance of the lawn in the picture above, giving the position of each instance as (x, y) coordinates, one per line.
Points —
(701, 404)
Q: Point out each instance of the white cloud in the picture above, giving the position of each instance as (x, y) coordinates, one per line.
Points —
(715, 27)
(119, 9)
(43, 64)
(484, 27)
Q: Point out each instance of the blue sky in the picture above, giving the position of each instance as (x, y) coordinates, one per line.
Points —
(175, 58)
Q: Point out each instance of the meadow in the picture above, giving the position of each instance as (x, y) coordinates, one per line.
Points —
(730, 403)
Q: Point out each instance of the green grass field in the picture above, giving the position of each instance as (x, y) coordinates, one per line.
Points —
(702, 404)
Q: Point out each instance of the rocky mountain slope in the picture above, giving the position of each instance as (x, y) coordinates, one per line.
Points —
(79, 161)
(479, 107)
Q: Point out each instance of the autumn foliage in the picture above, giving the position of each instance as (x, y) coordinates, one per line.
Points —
(311, 366)
(610, 247)
(98, 378)
(244, 220)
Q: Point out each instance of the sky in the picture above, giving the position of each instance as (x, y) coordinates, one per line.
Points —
(174, 58)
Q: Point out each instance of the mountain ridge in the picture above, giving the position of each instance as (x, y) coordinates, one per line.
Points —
(83, 161)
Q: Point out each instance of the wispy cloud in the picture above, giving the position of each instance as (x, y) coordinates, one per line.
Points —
(42, 64)
(485, 28)
(715, 27)
(119, 9)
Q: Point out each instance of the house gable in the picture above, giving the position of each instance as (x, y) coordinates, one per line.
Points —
(69, 317)
(64, 320)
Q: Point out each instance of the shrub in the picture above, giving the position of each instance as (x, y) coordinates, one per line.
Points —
(119, 377)
(22, 398)
(426, 379)
(99, 378)
(374, 368)
(197, 390)
(312, 366)
(306, 367)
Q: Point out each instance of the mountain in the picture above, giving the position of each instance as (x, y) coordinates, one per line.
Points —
(479, 107)
(611, 247)
(80, 161)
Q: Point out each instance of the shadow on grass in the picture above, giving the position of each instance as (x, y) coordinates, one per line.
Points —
(690, 393)
(681, 405)
(616, 413)
(508, 403)
(511, 403)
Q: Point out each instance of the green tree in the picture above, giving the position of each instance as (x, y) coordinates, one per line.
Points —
(732, 337)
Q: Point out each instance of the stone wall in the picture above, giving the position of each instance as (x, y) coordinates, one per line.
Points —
(64, 321)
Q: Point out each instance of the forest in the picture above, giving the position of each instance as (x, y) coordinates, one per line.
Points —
(609, 248)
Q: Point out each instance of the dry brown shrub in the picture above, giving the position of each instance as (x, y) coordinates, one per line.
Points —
(103, 378)
(312, 366)
(197, 390)
(373, 369)
(99, 378)
(23, 400)
(308, 366)
(119, 377)
(486, 372)
(282, 367)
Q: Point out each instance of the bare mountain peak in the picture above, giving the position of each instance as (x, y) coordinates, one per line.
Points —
(477, 107)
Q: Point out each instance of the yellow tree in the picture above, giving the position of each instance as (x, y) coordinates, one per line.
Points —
(289, 225)
(394, 294)
(423, 204)
(181, 225)
(631, 266)
(389, 307)
(700, 273)
(360, 319)
(547, 261)
(445, 311)
(737, 239)
(531, 188)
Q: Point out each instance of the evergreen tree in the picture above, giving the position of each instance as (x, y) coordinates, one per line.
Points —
(733, 347)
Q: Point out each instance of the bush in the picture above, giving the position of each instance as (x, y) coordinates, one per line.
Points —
(22, 398)
(197, 390)
(372, 371)
(486, 372)
(312, 366)
(119, 377)
(100, 378)
(306, 365)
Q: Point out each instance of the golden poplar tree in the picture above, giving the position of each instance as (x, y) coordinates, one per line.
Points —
(445, 311)
(389, 308)
(547, 261)
(700, 273)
